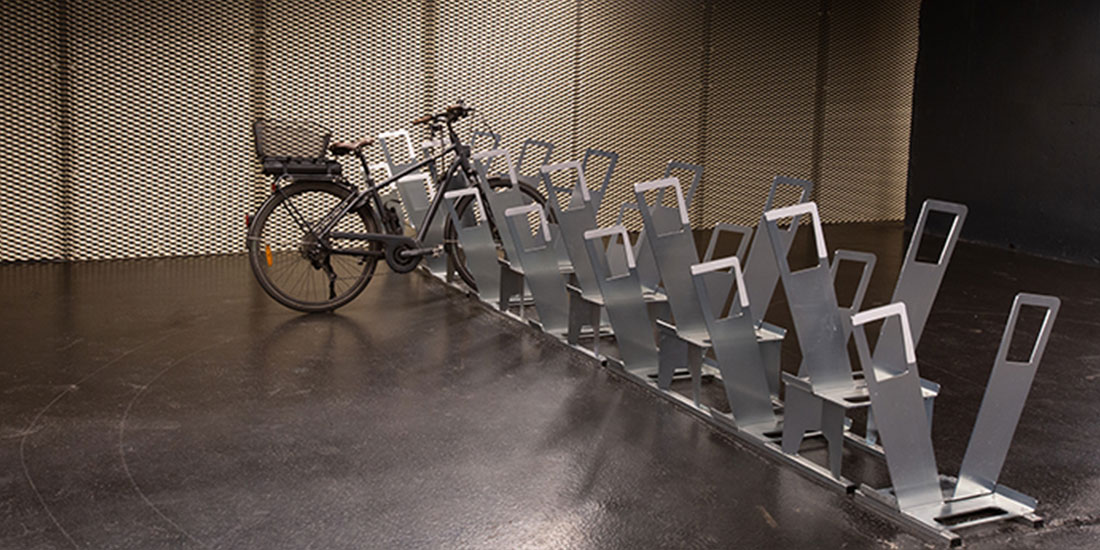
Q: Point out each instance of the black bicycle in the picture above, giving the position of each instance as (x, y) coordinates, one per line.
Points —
(315, 242)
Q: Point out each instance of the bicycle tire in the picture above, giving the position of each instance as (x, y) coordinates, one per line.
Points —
(450, 235)
(298, 280)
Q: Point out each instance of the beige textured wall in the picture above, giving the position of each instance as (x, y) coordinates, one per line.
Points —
(158, 98)
(31, 202)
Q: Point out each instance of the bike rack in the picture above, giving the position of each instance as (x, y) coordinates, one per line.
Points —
(625, 304)
(868, 261)
(674, 252)
(500, 199)
(762, 276)
(917, 287)
(919, 282)
(665, 218)
(535, 252)
(733, 338)
(609, 278)
(938, 506)
(414, 190)
(529, 143)
(612, 159)
(821, 398)
(495, 146)
(574, 219)
(477, 244)
(579, 192)
(761, 269)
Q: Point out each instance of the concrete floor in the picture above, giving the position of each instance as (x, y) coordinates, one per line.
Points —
(171, 404)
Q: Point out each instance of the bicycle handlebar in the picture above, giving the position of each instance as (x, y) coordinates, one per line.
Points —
(449, 115)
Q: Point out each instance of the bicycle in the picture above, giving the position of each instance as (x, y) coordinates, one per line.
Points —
(314, 243)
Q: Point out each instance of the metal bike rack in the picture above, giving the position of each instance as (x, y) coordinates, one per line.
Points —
(624, 302)
(500, 198)
(477, 244)
(608, 277)
(674, 251)
(868, 261)
(917, 287)
(612, 159)
(762, 276)
(537, 259)
(476, 138)
(821, 398)
(665, 218)
(938, 506)
(761, 269)
(761, 273)
(919, 282)
(578, 215)
(414, 190)
(733, 338)
(581, 197)
(574, 219)
(528, 144)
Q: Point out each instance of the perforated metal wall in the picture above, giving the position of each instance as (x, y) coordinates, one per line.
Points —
(354, 66)
(763, 71)
(872, 50)
(514, 60)
(33, 207)
(126, 124)
(159, 127)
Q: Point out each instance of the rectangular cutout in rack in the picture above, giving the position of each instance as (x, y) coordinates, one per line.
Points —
(933, 240)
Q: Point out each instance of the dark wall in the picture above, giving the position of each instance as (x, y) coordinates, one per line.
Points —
(1006, 119)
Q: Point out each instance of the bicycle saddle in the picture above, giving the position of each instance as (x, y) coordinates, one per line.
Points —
(345, 147)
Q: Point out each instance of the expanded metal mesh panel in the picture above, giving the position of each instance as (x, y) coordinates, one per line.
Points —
(640, 90)
(763, 68)
(865, 151)
(513, 61)
(354, 66)
(126, 127)
(30, 189)
(160, 127)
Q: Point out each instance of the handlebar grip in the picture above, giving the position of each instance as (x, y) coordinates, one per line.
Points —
(424, 119)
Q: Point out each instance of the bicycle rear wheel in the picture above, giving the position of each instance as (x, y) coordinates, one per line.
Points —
(293, 266)
(450, 234)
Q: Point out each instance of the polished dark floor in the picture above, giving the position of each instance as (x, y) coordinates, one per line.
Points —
(171, 404)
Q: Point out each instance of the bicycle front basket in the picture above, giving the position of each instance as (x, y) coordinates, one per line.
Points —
(290, 139)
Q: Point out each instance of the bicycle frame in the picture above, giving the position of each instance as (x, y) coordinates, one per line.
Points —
(370, 192)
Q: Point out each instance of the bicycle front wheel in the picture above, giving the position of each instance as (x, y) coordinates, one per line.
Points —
(293, 265)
